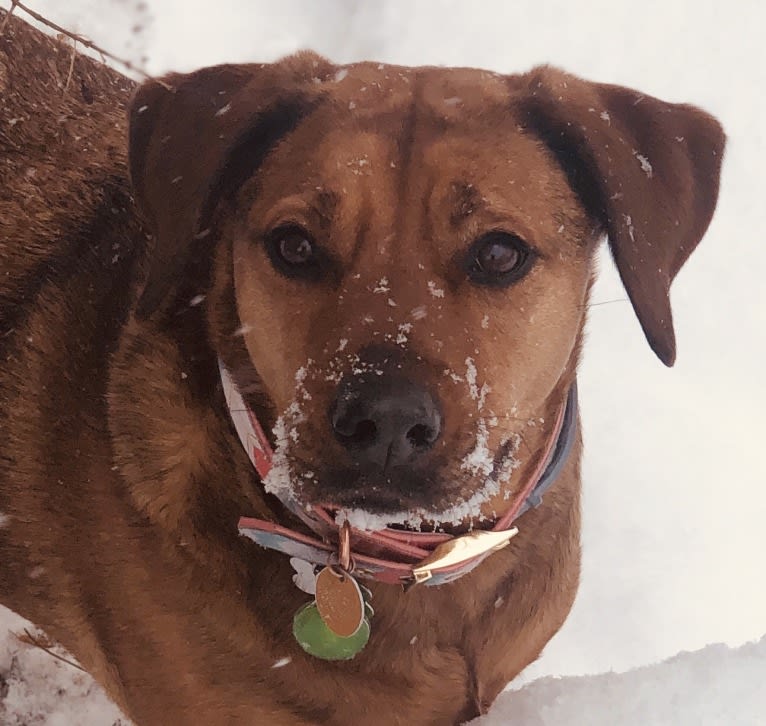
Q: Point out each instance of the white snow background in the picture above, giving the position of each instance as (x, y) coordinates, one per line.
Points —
(674, 476)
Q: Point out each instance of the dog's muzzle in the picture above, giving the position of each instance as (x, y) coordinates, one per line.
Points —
(390, 555)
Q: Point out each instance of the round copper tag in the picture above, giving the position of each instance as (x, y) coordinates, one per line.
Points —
(339, 601)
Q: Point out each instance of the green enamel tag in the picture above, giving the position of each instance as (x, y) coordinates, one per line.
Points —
(318, 640)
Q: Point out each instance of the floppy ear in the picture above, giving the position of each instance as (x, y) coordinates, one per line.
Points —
(194, 138)
(648, 170)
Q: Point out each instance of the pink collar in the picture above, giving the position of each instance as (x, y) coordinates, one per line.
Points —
(390, 555)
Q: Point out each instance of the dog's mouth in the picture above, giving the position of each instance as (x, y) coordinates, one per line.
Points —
(446, 499)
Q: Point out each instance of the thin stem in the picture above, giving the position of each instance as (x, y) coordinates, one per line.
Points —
(33, 640)
(8, 14)
(74, 36)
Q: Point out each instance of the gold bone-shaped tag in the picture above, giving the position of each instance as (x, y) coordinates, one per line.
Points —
(460, 549)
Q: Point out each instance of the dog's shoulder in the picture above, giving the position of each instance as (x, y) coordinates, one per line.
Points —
(65, 202)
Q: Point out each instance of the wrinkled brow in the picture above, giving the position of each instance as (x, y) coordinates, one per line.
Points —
(326, 204)
(466, 200)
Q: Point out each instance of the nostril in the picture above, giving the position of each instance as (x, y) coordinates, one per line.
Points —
(362, 433)
(420, 436)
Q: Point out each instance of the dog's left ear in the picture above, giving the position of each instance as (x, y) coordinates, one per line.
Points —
(194, 138)
(648, 170)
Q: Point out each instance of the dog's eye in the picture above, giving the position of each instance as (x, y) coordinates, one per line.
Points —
(292, 251)
(295, 248)
(499, 258)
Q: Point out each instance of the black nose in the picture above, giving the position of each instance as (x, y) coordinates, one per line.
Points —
(385, 423)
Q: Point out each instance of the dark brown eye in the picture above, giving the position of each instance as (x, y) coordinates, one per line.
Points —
(293, 251)
(294, 245)
(495, 257)
(499, 258)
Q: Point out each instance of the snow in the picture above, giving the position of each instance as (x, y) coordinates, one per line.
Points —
(281, 480)
(479, 460)
(715, 686)
(674, 502)
(382, 286)
(434, 289)
(37, 689)
(477, 394)
(629, 225)
(646, 167)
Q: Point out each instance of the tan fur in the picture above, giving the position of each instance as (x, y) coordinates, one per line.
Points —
(121, 475)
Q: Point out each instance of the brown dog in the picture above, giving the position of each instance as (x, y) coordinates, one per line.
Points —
(394, 265)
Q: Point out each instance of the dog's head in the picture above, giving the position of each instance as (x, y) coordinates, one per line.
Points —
(396, 261)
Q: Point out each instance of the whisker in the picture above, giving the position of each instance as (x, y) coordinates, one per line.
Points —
(608, 302)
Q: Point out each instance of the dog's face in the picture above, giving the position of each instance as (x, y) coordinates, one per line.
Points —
(403, 257)
(409, 302)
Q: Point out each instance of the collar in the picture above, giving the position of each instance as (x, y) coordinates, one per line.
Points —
(393, 556)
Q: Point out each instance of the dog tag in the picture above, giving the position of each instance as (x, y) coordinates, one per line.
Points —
(318, 640)
(336, 626)
(339, 601)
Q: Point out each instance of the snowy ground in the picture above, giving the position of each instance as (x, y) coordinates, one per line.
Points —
(38, 689)
(674, 476)
(715, 686)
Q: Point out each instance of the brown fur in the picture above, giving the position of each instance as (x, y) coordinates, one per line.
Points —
(121, 478)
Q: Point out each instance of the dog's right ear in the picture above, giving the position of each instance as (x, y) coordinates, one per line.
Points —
(195, 138)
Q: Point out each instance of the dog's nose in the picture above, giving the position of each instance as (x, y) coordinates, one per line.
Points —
(385, 423)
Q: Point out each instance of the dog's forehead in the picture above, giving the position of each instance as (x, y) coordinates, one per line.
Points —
(368, 117)
(371, 89)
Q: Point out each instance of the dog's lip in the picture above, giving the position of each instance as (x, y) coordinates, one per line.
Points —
(392, 517)
(414, 522)
(364, 519)
(376, 500)
(380, 510)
